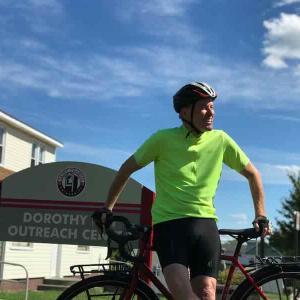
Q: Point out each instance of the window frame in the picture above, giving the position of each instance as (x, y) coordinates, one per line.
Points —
(21, 246)
(2, 145)
(83, 249)
(38, 157)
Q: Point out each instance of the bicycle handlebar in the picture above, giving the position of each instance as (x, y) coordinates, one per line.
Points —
(138, 232)
(132, 232)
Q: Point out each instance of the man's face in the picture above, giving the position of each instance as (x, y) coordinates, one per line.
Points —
(203, 116)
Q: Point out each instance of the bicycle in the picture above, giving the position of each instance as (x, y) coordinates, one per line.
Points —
(269, 278)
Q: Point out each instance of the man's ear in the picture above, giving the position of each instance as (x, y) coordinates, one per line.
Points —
(184, 112)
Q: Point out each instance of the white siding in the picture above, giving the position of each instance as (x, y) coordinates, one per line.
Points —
(40, 259)
(71, 256)
(18, 148)
(37, 260)
(50, 155)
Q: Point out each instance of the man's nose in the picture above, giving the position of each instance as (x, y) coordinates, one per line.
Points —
(210, 111)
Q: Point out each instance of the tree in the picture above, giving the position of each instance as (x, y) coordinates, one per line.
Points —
(284, 236)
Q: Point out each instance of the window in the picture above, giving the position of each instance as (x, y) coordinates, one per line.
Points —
(22, 244)
(83, 248)
(37, 155)
(34, 154)
(1, 144)
(41, 155)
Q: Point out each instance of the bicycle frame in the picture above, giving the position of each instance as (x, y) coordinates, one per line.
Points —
(235, 263)
(140, 270)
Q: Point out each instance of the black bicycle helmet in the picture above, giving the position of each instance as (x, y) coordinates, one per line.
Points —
(191, 93)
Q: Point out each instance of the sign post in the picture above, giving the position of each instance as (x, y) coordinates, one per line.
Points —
(53, 203)
(297, 230)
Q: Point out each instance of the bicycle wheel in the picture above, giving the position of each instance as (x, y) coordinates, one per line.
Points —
(105, 287)
(277, 282)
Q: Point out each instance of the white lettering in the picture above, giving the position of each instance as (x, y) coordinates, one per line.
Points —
(56, 219)
(27, 217)
(83, 218)
(46, 232)
(47, 219)
(13, 230)
(73, 234)
(85, 234)
(90, 235)
(54, 233)
(39, 232)
(37, 218)
(42, 232)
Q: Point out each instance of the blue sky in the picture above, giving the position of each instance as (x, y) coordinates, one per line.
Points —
(100, 75)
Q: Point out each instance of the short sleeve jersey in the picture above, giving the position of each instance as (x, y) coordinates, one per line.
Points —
(187, 170)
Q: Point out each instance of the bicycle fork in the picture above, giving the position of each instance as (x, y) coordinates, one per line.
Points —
(236, 263)
(128, 292)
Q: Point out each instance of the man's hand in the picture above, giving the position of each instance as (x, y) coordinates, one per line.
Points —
(262, 224)
(102, 218)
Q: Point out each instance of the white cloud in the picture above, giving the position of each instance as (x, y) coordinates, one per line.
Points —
(286, 2)
(281, 117)
(162, 8)
(294, 169)
(270, 173)
(166, 7)
(41, 16)
(272, 157)
(166, 20)
(133, 71)
(241, 219)
(282, 41)
(108, 157)
(276, 174)
(81, 77)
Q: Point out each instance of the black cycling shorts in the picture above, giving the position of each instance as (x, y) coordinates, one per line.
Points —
(192, 242)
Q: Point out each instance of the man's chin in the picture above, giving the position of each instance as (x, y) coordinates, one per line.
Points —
(208, 128)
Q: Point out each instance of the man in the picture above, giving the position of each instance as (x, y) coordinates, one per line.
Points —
(188, 163)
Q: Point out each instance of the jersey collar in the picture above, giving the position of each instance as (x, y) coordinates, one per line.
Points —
(192, 135)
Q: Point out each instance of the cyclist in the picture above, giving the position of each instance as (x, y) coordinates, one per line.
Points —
(188, 163)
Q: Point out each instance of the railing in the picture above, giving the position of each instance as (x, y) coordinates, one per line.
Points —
(26, 272)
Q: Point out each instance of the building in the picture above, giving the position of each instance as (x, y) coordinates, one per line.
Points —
(22, 146)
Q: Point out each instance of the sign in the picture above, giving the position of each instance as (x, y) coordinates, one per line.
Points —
(53, 203)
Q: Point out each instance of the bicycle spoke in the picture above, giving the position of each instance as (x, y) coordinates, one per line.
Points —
(285, 288)
(107, 292)
(281, 287)
(278, 289)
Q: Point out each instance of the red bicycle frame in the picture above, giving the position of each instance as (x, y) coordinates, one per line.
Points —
(140, 270)
(235, 263)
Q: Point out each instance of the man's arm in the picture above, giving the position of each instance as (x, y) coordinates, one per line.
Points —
(256, 187)
(118, 184)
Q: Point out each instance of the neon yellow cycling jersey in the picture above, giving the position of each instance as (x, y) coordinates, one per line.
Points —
(187, 170)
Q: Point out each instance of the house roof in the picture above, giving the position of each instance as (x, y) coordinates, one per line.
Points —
(5, 173)
(12, 121)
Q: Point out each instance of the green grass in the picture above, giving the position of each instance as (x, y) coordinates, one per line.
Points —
(33, 295)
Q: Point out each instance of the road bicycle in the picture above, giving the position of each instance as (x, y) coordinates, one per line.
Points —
(269, 278)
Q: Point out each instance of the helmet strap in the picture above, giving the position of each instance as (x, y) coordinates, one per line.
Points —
(191, 123)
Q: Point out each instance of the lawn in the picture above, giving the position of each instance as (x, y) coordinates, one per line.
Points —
(33, 295)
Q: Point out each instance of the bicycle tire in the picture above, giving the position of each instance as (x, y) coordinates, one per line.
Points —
(278, 282)
(104, 286)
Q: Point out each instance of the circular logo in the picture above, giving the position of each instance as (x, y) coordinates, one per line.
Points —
(71, 182)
